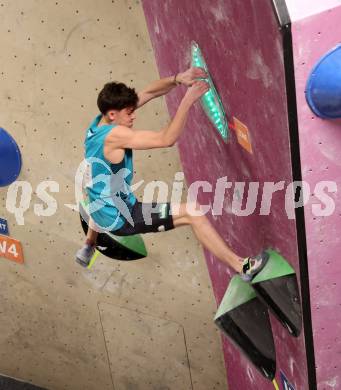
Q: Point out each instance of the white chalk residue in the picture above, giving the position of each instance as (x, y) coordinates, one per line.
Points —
(332, 152)
(250, 374)
(258, 70)
(156, 27)
(291, 365)
(332, 383)
(218, 13)
(194, 282)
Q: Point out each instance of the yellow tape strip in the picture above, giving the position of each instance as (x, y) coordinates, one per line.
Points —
(275, 384)
(93, 259)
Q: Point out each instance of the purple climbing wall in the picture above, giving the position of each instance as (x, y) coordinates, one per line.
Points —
(242, 46)
(320, 144)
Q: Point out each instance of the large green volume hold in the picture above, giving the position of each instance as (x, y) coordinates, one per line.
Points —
(116, 247)
(276, 285)
(245, 320)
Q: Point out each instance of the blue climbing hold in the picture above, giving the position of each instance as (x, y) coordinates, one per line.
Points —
(323, 91)
(10, 159)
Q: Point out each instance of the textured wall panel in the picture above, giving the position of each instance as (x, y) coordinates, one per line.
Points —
(55, 56)
(141, 357)
(320, 143)
(243, 49)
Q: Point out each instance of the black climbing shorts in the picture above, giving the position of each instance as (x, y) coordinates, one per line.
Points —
(148, 218)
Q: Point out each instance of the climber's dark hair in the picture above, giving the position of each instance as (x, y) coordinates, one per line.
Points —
(116, 96)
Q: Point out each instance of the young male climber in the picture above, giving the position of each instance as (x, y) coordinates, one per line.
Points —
(109, 142)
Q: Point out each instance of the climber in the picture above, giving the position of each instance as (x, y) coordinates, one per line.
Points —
(110, 140)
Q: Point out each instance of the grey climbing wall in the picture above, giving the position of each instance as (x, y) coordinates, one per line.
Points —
(55, 56)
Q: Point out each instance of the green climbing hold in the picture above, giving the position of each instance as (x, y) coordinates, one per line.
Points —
(134, 243)
(276, 267)
(244, 319)
(116, 247)
(236, 295)
(276, 285)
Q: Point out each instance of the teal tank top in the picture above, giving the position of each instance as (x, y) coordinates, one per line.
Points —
(108, 188)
